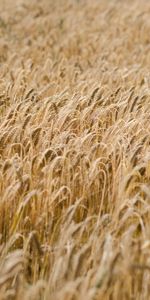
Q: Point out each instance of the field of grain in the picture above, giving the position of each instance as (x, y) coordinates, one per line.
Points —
(74, 150)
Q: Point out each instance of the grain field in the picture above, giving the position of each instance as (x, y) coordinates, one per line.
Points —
(74, 150)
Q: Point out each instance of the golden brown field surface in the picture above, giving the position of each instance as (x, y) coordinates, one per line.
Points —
(74, 150)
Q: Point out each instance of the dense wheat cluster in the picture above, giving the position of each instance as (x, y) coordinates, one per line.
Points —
(74, 150)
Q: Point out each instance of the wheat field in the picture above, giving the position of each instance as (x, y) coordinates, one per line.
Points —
(74, 150)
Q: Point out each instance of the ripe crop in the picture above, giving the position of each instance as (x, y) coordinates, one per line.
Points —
(74, 150)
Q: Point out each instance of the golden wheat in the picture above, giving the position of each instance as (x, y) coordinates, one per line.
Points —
(74, 150)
